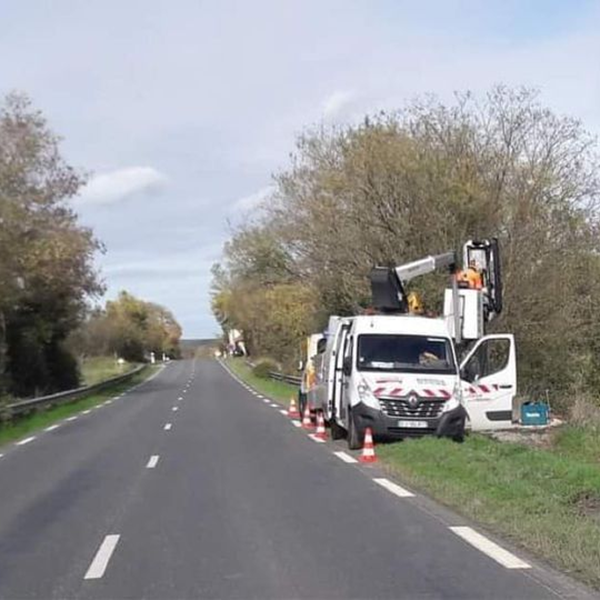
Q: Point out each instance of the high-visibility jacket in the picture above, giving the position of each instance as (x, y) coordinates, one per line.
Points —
(472, 277)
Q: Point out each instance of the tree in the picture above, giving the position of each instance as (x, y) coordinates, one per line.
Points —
(46, 256)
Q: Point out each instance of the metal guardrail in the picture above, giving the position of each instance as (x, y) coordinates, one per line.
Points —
(25, 406)
(291, 379)
(278, 376)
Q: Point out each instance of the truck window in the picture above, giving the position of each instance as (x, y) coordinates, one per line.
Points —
(490, 357)
(407, 353)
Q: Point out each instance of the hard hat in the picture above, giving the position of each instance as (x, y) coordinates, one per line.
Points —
(414, 303)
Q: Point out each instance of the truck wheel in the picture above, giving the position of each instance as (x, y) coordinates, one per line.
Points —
(337, 433)
(354, 436)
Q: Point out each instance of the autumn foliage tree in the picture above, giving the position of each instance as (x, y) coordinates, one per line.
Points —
(46, 256)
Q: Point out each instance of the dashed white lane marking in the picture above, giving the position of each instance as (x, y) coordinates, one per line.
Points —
(180, 398)
(168, 426)
(183, 391)
(284, 412)
(491, 549)
(52, 428)
(1, 455)
(86, 412)
(393, 487)
(314, 438)
(274, 405)
(26, 441)
(266, 401)
(73, 418)
(296, 423)
(152, 462)
(108, 402)
(345, 457)
(175, 409)
(100, 562)
(259, 396)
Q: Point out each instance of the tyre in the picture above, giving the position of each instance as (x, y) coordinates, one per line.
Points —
(337, 433)
(355, 437)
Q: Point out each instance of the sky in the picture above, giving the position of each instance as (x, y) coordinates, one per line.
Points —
(181, 110)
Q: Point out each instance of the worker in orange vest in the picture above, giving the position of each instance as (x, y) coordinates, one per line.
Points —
(470, 277)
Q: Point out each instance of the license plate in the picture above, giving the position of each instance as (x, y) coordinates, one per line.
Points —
(413, 424)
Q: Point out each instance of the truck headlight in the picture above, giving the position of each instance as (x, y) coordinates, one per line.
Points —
(450, 405)
(366, 395)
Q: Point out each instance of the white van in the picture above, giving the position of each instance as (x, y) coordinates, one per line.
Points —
(399, 375)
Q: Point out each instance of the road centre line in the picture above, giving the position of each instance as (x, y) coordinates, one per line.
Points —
(100, 562)
(152, 462)
(314, 438)
(491, 549)
(345, 457)
(393, 487)
(168, 426)
(52, 427)
(26, 441)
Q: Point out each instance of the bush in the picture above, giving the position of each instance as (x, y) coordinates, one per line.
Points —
(263, 367)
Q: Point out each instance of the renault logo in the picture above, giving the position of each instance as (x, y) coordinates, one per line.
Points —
(413, 401)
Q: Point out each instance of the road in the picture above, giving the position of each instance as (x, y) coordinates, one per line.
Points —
(231, 501)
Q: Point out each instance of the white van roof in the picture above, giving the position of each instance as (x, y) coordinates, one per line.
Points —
(399, 324)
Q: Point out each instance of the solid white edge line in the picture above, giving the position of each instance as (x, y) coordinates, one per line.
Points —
(168, 426)
(314, 438)
(345, 457)
(52, 428)
(296, 423)
(390, 486)
(100, 562)
(489, 548)
(26, 441)
(152, 462)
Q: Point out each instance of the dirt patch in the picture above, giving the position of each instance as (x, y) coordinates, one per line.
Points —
(536, 438)
(587, 504)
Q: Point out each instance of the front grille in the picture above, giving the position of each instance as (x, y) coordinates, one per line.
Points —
(429, 408)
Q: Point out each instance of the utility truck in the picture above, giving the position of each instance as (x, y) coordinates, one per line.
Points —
(399, 373)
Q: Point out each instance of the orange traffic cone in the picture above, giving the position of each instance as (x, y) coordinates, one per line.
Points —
(306, 421)
(293, 412)
(321, 432)
(368, 451)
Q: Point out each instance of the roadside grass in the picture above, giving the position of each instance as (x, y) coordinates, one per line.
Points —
(100, 368)
(277, 390)
(545, 500)
(22, 427)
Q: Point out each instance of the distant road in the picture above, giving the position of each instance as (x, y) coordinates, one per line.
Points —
(190, 486)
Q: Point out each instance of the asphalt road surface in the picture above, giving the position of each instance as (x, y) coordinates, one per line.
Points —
(192, 486)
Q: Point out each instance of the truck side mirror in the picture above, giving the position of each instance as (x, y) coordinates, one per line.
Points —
(300, 365)
(347, 366)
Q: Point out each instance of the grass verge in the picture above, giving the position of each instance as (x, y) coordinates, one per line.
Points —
(274, 389)
(545, 500)
(100, 368)
(24, 426)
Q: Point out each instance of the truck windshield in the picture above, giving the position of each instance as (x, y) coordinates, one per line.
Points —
(408, 353)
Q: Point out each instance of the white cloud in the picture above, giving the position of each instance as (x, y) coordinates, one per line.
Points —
(253, 201)
(336, 103)
(121, 184)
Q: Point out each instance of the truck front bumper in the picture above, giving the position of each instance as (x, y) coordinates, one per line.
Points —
(449, 424)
